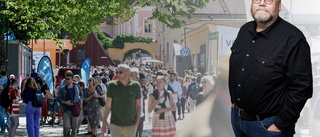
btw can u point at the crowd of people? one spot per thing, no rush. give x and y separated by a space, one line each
126 91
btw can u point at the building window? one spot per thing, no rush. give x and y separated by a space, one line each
148 26
81 54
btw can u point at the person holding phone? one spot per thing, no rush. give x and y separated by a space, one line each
68 95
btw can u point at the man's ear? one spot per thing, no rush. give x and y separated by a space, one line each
280 5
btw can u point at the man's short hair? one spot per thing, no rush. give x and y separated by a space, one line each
3 73
70 75
141 75
194 79
125 66
134 70
172 73
159 73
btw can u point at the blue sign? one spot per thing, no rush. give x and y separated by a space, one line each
85 70
185 51
10 37
45 71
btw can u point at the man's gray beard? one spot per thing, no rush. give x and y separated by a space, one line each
262 17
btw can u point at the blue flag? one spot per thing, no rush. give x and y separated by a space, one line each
85 70
45 71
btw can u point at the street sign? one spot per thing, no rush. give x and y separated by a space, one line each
185 51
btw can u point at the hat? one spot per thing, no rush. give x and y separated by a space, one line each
77 76
12 76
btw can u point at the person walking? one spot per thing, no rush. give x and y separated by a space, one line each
14 109
3 84
69 96
162 103
176 91
182 101
32 112
207 85
123 100
270 76
93 106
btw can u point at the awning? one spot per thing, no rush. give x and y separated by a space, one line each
151 61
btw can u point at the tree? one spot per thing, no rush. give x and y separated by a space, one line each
51 19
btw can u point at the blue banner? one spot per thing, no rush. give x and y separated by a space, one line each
45 71
85 70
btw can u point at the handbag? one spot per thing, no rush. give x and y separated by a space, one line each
102 101
76 109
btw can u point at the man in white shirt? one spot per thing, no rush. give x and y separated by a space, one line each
175 86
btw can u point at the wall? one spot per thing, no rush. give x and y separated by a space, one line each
51 47
118 54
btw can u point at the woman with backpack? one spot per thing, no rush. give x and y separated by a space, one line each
32 112
161 101
13 109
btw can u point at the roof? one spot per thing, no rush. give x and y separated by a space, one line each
223 7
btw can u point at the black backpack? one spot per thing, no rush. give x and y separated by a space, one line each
194 91
38 98
5 99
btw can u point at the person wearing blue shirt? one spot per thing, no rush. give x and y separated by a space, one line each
3 84
69 94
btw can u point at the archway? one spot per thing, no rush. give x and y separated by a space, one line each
136 54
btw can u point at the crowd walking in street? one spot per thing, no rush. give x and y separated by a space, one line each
117 105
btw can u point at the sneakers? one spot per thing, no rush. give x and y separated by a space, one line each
179 118
89 133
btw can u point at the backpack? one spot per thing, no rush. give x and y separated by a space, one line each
5 99
194 91
38 99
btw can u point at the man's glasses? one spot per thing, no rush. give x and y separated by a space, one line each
67 78
119 72
265 1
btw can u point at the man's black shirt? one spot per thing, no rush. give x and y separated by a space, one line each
270 71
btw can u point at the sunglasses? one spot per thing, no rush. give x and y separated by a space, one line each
68 79
119 72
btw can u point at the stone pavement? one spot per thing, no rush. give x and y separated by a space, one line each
57 131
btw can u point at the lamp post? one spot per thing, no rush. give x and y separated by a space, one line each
162 52
7 36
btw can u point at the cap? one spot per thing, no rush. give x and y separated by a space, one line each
77 76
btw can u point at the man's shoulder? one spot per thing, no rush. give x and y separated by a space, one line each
134 83
290 28
113 82
247 25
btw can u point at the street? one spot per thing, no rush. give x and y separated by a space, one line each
57 131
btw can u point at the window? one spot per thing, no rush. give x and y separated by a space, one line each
81 54
148 26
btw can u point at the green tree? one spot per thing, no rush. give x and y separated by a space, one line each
51 19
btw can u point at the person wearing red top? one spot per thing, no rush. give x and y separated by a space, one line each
14 109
